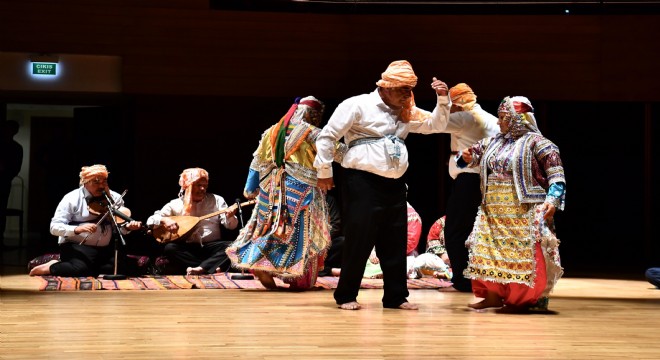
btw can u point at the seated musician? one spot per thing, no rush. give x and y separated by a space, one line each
84 234
201 250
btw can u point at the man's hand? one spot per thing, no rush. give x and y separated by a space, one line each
86 227
440 87
231 212
466 155
169 224
134 225
326 184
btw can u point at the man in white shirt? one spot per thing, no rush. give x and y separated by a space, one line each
467 124
201 251
85 242
375 126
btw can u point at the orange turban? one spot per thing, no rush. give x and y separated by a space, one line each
400 73
463 96
187 178
89 173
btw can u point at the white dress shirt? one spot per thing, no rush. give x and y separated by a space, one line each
466 128
207 230
367 116
73 211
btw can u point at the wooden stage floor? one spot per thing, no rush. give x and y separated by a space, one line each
590 319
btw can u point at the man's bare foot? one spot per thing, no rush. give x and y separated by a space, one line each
408 306
43 269
266 279
353 305
335 271
195 271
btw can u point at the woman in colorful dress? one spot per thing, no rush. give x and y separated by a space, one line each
287 235
514 258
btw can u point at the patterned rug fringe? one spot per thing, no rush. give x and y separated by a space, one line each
215 281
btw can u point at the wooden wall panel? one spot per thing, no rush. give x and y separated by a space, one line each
183 47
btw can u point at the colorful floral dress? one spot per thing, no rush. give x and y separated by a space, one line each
288 232
512 250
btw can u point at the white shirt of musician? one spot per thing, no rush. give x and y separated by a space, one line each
73 211
207 230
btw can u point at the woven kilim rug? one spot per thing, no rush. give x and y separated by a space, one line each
216 281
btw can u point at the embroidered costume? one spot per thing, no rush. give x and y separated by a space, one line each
513 250
287 234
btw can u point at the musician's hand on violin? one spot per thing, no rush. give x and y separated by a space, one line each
85 227
326 184
169 224
134 225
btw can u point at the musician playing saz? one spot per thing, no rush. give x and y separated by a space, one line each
202 251
84 234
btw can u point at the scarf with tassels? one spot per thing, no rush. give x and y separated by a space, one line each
278 135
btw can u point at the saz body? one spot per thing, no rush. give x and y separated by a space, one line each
187 223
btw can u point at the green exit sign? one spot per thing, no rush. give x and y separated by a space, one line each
39 68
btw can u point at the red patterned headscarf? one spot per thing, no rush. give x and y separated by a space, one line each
519 112
308 109
186 179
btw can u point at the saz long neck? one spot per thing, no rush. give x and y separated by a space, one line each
227 209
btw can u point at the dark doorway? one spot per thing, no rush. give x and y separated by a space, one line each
59 148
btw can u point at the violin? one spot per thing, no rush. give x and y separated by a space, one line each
99 206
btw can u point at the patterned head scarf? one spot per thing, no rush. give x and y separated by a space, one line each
186 179
308 109
399 74
463 96
519 113
89 173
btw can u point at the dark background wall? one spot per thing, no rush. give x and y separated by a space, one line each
200 85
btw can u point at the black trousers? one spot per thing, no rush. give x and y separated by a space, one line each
462 206
375 214
83 260
210 256
334 256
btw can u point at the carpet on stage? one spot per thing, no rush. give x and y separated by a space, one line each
215 281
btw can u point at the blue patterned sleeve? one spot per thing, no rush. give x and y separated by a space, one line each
555 193
252 182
